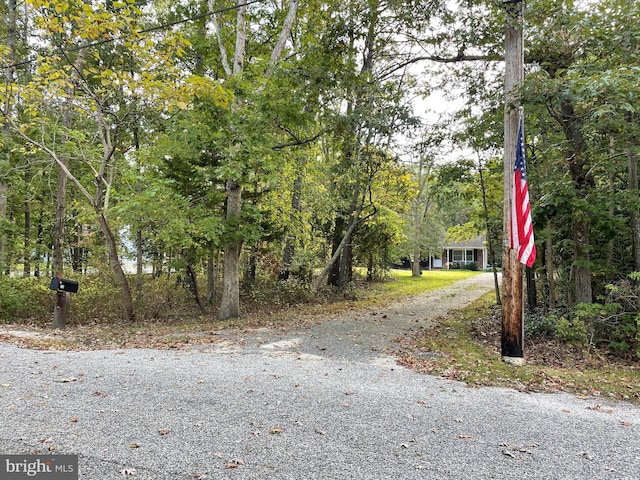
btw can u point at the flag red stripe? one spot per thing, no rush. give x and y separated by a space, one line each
521 223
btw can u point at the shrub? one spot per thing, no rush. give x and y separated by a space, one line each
24 298
540 326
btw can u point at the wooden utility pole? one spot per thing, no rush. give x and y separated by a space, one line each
512 305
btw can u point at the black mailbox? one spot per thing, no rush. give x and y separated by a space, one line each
64 285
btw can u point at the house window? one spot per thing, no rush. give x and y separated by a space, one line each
462 256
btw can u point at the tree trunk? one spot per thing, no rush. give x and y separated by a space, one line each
550 268
27 238
139 267
192 282
580 270
634 215
211 275
370 268
230 301
289 249
39 240
114 259
58 229
336 250
492 252
415 263
532 294
346 261
6 130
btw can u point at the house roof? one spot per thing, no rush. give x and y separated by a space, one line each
479 242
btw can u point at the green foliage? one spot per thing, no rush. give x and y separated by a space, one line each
23 299
537 325
574 331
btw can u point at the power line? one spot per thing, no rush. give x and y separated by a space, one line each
156 28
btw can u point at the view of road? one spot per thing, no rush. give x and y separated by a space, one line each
321 402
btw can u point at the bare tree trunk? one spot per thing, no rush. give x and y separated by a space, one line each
114 259
550 268
27 238
230 302
338 250
38 255
289 249
211 276
634 215
581 273
6 130
59 225
139 267
492 252
415 263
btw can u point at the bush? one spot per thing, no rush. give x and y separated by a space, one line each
24 298
540 326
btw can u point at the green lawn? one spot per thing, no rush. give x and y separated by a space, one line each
403 284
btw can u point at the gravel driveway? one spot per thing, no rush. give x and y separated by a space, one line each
319 403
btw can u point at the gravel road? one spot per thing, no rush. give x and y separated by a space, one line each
320 403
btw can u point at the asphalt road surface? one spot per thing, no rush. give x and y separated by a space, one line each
324 402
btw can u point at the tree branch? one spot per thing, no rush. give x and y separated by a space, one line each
298 142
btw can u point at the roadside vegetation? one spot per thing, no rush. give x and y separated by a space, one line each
170 318
466 347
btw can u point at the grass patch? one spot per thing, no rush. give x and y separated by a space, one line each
466 347
402 284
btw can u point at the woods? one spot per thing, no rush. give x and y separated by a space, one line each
227 146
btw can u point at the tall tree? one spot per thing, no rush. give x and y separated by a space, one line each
7 111
236 152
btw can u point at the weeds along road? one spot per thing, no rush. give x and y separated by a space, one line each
319 403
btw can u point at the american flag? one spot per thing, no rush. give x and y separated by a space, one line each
521 225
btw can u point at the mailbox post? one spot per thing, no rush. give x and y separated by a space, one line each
63 288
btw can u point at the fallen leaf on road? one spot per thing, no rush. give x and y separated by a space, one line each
134 445
198 476
67 380
275 430
598 408
235 463
99 394
626 424
74 419
164 431
465 437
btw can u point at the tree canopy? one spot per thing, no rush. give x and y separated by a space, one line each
233 143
